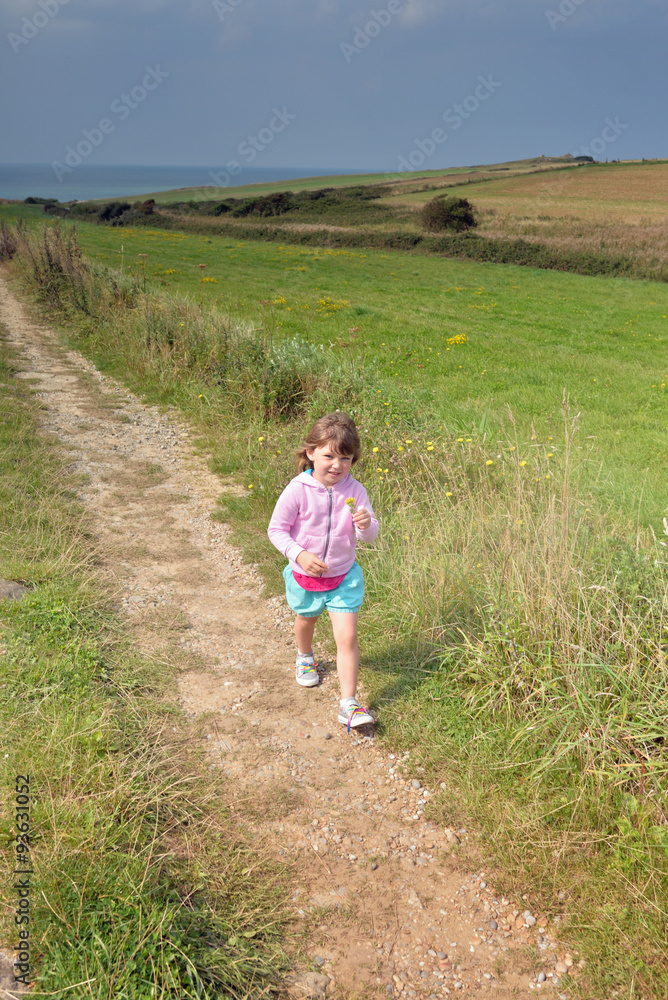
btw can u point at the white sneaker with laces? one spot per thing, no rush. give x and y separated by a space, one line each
352 714
306 673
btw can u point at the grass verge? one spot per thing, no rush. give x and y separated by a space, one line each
516 629
141 885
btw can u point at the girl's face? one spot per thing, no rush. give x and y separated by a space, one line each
329 467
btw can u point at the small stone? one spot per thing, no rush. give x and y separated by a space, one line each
541 977
441 955
415 783
319 960
314 985
374 866
493 924
11 591
561 968
452 837
529 918
459 985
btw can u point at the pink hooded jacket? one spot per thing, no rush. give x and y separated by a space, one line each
311 516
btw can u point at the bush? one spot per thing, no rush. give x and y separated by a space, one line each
32 200
113 209
448 213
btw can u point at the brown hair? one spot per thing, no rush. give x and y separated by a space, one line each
336 429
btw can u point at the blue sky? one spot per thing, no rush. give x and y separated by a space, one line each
356 85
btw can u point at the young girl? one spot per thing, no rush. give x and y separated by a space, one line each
316 523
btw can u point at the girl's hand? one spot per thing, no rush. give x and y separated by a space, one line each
362 518
311 563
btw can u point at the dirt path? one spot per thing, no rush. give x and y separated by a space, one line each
388 908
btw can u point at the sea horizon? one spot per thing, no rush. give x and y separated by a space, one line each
19 181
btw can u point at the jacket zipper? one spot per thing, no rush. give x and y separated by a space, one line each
329 524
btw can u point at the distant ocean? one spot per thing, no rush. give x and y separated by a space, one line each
19 181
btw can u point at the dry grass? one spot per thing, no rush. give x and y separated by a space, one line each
615 209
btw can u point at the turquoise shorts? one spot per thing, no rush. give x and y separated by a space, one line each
311 603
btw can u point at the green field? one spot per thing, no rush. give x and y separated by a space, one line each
530 335
515 630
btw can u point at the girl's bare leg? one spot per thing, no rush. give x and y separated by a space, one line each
344 624
304 629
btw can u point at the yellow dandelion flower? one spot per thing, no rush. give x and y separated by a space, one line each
374 449
523 462
401 447
250 486
448 494
409 441
489 462
461 440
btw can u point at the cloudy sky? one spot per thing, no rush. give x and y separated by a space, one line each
332 84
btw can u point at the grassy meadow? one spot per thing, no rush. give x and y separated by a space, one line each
514 426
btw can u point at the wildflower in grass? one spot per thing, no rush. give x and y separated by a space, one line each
409 441
401 447
430 447
459 338
250 486
374 449
351 504
260 439
461 440
448 494
489 462
523 462
550 454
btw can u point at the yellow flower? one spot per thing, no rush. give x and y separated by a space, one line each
261 439
430 447
460 440
523 462
374 449
550 454
250 486
489 462
448 494
401 447
408 441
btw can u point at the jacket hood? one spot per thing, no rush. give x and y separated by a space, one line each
308 480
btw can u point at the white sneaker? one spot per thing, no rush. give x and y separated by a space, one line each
306 673
352 714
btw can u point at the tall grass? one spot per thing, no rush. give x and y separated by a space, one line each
516 627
